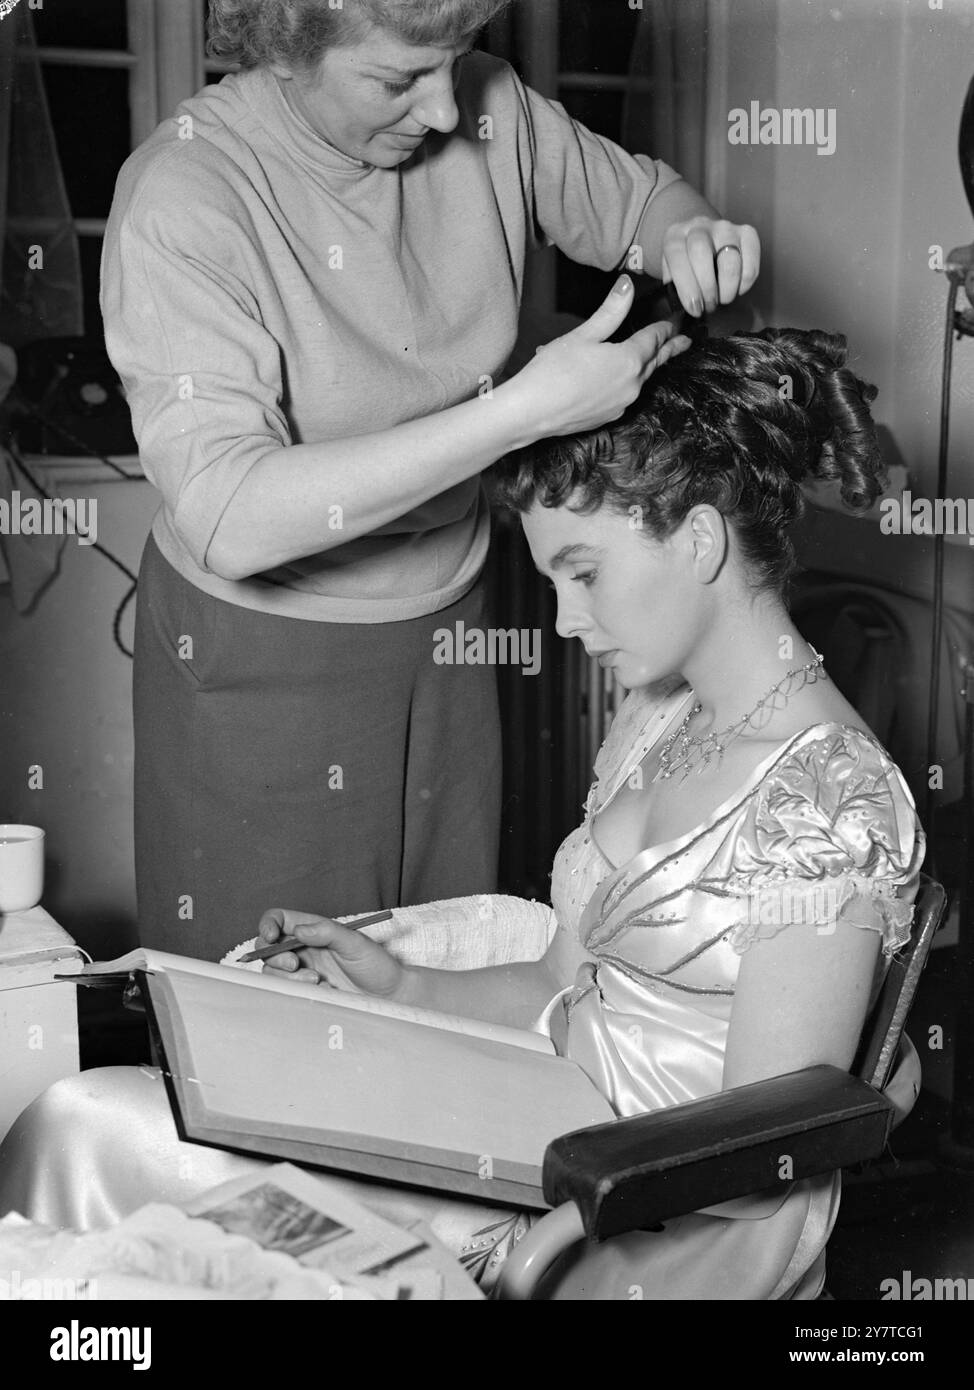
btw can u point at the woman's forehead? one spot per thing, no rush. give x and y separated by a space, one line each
551 530
384 49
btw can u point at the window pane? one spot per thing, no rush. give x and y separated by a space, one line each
90 116
82 24
599 111
90 250
596 37
581 288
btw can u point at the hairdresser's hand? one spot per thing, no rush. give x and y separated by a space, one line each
332 954
581 380
710 262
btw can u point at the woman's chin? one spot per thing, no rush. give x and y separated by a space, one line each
627 675
632 675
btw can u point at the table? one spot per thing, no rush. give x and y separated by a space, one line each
38 1014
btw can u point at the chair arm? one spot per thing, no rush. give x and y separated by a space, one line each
903 1087
630 1174
536 1251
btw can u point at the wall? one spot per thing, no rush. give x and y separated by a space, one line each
65 703
847 240
846 235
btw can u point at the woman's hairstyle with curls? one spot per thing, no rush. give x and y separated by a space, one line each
296 33
738 423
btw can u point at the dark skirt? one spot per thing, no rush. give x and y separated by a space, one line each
328 767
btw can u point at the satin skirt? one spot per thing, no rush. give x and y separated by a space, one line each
95 1147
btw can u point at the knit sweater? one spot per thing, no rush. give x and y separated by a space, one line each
260 289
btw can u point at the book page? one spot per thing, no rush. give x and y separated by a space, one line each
330 1077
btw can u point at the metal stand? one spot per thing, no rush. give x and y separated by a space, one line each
957 1148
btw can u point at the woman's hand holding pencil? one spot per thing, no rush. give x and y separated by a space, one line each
320 950
291 943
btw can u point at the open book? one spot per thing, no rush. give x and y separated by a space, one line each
283 1069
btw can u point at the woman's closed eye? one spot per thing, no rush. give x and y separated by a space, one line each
588 577
399 89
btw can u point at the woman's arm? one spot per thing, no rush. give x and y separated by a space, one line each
801 1000
280 511
599 204
205 382
513 994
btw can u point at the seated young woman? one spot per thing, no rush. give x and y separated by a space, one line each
749 856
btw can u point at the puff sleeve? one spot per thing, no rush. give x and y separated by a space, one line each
833 833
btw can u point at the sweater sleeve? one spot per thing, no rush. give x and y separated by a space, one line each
587 195
202 376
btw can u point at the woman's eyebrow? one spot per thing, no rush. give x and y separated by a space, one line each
573 552
413 72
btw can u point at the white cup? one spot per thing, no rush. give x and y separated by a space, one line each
21 867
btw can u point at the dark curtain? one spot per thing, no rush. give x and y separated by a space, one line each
40 272
665 107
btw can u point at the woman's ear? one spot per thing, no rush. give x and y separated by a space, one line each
707 537
281 72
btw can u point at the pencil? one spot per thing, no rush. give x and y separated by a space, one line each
291 943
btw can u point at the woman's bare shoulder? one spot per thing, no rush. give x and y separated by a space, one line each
826 705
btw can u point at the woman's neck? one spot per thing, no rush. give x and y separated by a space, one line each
742 657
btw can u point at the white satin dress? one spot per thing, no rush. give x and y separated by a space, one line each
646 1014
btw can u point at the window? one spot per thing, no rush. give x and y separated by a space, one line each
113 70
578 53
99 69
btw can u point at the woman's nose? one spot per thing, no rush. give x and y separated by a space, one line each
437 110
568 623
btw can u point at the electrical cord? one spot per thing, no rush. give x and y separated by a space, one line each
22 403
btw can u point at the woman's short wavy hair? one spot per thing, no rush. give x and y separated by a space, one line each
254 33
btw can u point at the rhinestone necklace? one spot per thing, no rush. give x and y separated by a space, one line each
693 751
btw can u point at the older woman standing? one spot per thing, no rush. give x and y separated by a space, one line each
311 285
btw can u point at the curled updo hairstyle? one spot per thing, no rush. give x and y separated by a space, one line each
738 423
296 33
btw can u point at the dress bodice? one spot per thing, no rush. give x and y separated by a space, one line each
824 827
579 866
